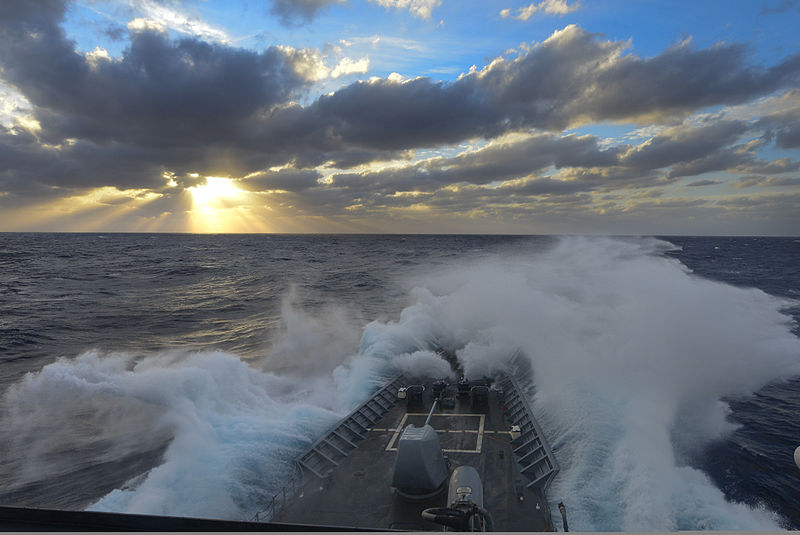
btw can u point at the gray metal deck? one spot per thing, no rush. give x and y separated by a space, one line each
347 473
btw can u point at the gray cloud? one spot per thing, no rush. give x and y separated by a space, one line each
684 144
766 182
285 179
781 7
495 162
789 137
571 77
297 12
161 93
701 183
187 106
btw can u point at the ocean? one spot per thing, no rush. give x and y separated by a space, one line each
181 374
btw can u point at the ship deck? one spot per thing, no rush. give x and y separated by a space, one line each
358 491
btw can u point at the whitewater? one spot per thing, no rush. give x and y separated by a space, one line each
635 360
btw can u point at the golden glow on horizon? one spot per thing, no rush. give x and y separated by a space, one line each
93 210
219 206
214 193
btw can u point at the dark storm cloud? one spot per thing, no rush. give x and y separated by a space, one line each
181 104
30 171
716 161
789 137
574 75
701 183
496 162
187 106
783 126
580 165
285 179
571 77
544 186
684 145
512 160
161 93
295 12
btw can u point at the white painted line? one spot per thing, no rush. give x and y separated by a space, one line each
480 435
480 431
448 414
446 450
396 435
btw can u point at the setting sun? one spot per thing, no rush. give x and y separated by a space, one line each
214 193
216 205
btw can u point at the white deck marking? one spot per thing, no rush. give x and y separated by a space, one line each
480 431
480 436
396 435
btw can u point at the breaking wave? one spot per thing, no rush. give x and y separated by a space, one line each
632 357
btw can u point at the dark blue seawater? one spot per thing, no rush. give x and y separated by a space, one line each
122 309
753 465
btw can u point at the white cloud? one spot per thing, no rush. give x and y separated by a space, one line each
307 62
350 66
549 7
15 110
96 56
312 64
420 8
159 16
141 24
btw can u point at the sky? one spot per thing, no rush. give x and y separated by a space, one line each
401 116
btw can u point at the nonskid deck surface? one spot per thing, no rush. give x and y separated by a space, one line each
358 492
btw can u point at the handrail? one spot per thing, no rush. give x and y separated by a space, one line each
294 484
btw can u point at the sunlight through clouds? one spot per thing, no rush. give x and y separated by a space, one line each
223 116
217 206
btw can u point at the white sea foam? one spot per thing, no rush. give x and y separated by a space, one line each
631 355
230 439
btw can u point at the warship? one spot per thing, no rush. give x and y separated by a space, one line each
422 453
427 454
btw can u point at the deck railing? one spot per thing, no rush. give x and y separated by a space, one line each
333 446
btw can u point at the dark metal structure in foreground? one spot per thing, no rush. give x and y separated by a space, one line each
348 473
344 480
18 519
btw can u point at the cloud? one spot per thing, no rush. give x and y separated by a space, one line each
781 7
181 106
307 63
766 182
684 144
572 78
496 162
298 12
160 93
284 179
419 8
350 66
789 137
702 183
167 14
548 7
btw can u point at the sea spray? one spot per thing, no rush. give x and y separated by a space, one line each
225 441
203 433
631 356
